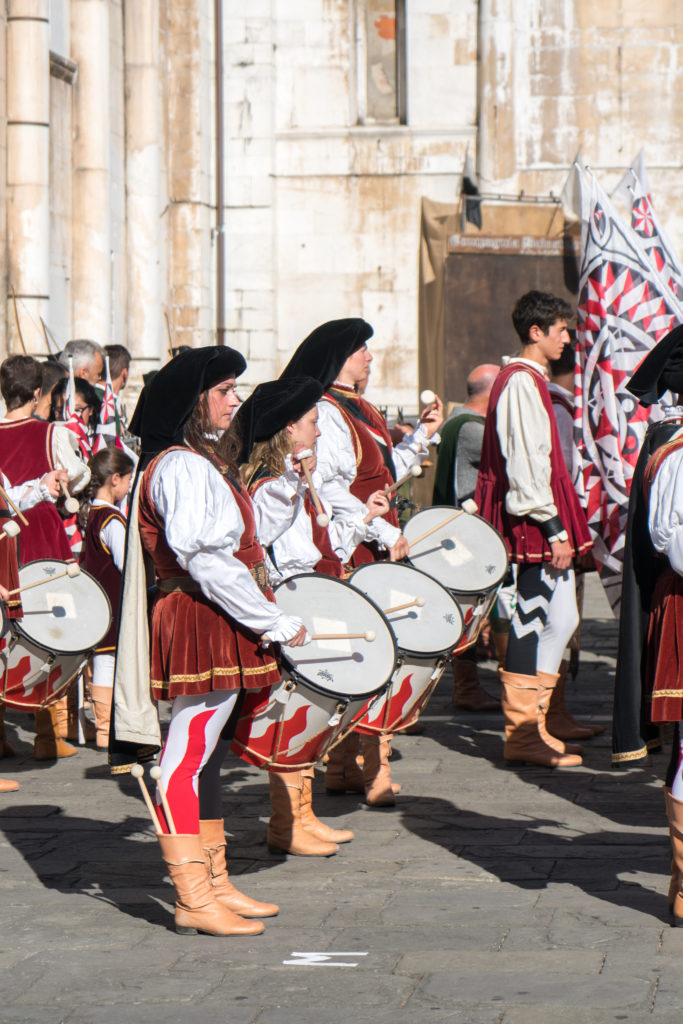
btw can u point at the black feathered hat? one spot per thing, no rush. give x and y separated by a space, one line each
661 370
323 353
273 405
166 402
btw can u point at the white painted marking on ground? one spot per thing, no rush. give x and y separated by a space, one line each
320 960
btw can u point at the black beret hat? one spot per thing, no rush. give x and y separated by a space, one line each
323 353
166 402
273 405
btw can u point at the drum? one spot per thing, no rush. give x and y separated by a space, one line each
64 620
326 684
466 555
425 634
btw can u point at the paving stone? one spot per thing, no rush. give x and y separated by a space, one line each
487 895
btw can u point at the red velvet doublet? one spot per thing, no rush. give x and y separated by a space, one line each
523 536
196 647
26 454
96 559
664 667
372 472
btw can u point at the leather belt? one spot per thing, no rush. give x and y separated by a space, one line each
178 585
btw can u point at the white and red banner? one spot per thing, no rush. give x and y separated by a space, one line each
105 432
625 306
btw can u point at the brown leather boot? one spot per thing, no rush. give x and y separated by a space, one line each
101 697
71 732
285 828
6 748
548 682
468 693
50 727
196 908
379 789
675 815
8 785
675 883
500 643
214 846
343 774
561 722
309 821
526 739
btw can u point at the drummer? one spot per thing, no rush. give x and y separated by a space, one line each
210 623
355 458
278 423
24 497
31 448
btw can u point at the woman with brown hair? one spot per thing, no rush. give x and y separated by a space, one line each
211 621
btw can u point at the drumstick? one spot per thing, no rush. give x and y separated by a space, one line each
72 505
414 471
73 569
419 601
10 529
155 773
468 508
137 771
368 635
15 509
321 519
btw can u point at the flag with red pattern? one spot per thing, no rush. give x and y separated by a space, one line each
625 306
73 421
634 190
105 432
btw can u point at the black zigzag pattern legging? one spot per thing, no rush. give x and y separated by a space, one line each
544 619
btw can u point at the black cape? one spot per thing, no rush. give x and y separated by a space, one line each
633 734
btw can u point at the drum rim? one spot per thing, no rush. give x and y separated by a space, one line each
54 650
319 689
473 515
407 650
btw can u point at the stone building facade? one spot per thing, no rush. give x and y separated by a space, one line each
337 117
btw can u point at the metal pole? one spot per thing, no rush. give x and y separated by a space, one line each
220 174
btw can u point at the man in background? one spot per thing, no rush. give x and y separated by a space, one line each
457 468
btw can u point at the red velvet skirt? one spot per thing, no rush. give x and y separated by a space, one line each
196 648
523 537
664 672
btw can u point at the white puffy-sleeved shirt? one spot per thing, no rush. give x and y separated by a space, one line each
26 495
665 516
523 429
113 534
203 527
294 550
337 468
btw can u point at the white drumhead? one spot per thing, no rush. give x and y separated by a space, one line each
466 554
431 629
347 668
69 614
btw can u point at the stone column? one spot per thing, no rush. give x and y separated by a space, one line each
496 121
145 328
191 166
91 252
28 168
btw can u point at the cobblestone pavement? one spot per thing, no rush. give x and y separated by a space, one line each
489 894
